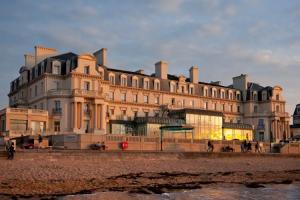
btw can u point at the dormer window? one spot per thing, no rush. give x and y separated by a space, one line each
87 70
172 87
111 79
86 85
135 82
123 80
156 85
223 94
238 96
146 84
56 69
191 89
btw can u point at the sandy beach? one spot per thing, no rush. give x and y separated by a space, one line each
46 173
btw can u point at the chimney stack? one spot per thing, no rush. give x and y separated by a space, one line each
43 52
29 60
194 74
101 56
161 70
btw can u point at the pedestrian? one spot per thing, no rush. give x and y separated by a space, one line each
10 149
210 146
40 141
249 146
257 147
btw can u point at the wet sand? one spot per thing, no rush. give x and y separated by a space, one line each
45 174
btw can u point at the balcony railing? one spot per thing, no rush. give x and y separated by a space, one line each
59 92
280 114
56 111
88 93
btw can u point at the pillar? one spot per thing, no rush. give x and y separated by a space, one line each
98 116
79 115
102 122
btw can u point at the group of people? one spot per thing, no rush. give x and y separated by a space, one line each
247 147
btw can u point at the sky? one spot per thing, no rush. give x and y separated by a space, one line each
225 38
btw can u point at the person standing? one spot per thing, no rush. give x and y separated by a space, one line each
40 141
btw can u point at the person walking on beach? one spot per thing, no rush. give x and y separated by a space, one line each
257 147
10 150
210 146
40 141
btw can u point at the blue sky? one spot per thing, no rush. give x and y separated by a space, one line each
224 38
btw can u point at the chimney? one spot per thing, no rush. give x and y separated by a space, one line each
194 74
29 60
161 70
43 52
240 82
140 71
101 56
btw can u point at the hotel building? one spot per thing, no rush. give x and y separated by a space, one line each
81 94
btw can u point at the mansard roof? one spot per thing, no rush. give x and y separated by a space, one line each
65 56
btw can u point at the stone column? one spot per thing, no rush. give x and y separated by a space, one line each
102 122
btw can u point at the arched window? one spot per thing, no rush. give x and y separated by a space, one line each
111 78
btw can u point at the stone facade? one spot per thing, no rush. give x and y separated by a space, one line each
82 94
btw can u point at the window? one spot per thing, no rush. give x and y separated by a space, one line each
35 90
238 96
56 126
173 101
42 106
146 114
215 106
57 85
173 87
206 105
146 99
111 95
238 109
56 69
255 97
231 108
124 112
30 92
192 103
112 111
157 100
223 107
57 105
42 87
135 113
86 85
112 79
135 98
277 97
87 70
123 81
230 96
182 89
135 83
255 109
277 108
156 85
214 93
205 92
223 95
191 90
123 96
146 84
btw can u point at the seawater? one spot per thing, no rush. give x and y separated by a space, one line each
207 192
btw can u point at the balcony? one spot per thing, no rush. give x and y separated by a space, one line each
88 93
260 127
56 111
59 92
280 114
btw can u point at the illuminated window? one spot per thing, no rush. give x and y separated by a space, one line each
135 98
146 99
123 96
87 70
